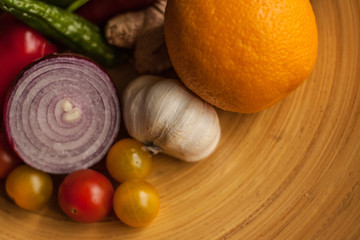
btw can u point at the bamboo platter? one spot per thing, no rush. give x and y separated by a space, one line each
289 172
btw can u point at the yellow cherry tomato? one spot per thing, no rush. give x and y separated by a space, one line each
28 187
136 203
128 160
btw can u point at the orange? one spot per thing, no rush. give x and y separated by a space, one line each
241 55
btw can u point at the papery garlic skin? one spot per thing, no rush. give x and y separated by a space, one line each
163 113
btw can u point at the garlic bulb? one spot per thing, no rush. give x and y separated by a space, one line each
164 115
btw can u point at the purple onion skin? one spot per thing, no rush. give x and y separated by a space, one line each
66 85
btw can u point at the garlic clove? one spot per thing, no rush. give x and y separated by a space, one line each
165 115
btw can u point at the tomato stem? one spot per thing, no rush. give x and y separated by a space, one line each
152 149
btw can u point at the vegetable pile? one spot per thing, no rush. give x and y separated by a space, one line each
61 110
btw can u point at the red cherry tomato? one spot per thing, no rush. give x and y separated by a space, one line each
19 46
8 159
86 196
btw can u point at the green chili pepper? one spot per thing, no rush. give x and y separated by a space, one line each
67 28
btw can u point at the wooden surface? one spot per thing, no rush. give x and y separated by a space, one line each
289 172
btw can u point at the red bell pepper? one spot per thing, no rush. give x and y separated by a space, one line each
99 11
19 46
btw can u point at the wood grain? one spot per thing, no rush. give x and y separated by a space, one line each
289 172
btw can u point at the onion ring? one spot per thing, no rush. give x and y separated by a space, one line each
62 114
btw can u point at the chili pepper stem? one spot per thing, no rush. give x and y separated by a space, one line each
76 5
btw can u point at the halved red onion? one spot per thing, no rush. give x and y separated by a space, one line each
63 114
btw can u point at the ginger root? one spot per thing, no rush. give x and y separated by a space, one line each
143 31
